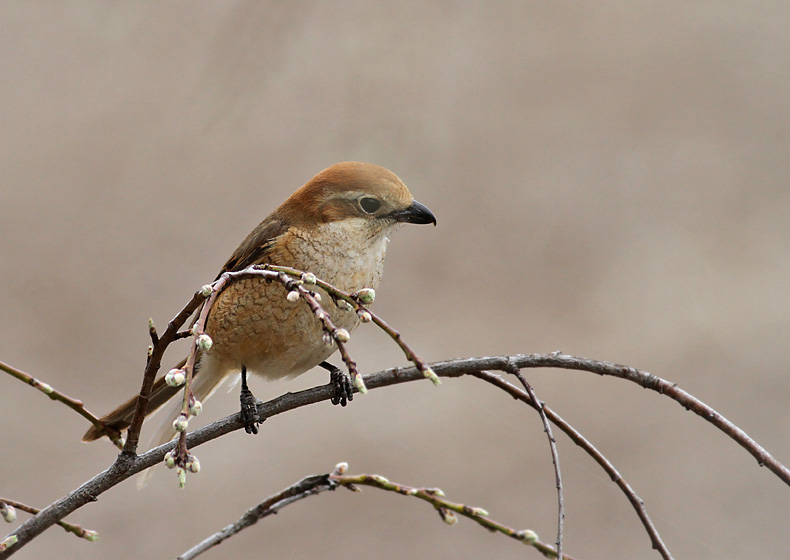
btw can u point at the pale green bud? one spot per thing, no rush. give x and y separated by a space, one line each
204 342
9 513
365 316
341 335
448 516
366 295
309 278
175 377
181 423
360 384
527 536
92 536
195 407
8 542
192 464
430 374
182 477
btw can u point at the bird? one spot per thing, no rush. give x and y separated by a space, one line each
335 226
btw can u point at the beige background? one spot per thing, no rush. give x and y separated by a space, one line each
610 179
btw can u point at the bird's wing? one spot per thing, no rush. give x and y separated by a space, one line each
256 248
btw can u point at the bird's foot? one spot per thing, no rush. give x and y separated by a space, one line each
342 386
249 411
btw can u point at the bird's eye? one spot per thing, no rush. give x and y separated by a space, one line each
369 204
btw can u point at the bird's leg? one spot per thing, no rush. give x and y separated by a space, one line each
341 384
249 408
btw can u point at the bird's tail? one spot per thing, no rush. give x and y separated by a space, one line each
120 418
203 386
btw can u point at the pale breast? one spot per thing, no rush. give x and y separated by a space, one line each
253 323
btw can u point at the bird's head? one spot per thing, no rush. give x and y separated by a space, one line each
353 190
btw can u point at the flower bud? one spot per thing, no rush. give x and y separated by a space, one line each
175 377
292 296
206 290
309 278
8 511
181 423
343 304
341 335
92 536
204 342
341 468
448 516
430 374
364 316
182 477
8 542
527 536
360 384
366 295
195 406
170 459
192 464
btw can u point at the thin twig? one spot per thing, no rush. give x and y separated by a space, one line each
86 534
590 449
306 487
316 484
151 368
74 404
447 509
555 458
126 466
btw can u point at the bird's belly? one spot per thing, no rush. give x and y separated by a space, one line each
253 324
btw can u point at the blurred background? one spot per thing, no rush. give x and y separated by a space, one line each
610 180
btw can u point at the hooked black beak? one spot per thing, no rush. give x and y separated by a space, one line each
417 213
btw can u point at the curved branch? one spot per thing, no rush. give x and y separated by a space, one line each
127 465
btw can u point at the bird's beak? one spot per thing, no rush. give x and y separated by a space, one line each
415 214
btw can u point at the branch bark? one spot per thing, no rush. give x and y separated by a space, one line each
126 465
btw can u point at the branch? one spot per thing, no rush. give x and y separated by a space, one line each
555 458
74 404
126 466
306 487
156 351
316 484
86 534
590 449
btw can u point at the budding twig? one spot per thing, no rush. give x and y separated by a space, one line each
357 302
74 404
316 484
446 508
86 534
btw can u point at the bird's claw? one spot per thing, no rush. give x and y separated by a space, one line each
342 387
249 411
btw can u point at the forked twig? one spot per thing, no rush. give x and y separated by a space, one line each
555 458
